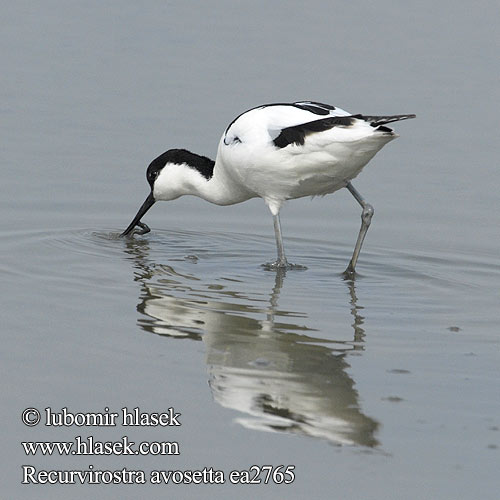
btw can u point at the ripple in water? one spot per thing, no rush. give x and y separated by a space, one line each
277 343
242 256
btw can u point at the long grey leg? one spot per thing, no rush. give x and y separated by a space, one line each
366 219
281 262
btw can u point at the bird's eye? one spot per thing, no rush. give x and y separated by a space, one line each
152 175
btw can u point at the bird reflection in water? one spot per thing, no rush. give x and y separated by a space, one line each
262 361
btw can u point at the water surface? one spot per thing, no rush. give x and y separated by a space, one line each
372 387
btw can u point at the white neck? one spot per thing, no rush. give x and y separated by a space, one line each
177 180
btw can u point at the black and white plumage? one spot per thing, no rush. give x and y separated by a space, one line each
276 152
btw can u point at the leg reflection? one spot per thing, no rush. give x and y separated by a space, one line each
279 373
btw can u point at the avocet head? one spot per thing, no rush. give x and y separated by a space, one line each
169 177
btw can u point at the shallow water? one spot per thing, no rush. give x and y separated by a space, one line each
382 387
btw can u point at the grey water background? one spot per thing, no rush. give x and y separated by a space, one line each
386 387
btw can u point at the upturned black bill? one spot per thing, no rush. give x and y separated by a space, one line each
148 203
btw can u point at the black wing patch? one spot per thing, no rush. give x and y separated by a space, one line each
375 121
204 165
318 108
297 134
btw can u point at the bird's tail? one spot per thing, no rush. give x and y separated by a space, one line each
375 121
